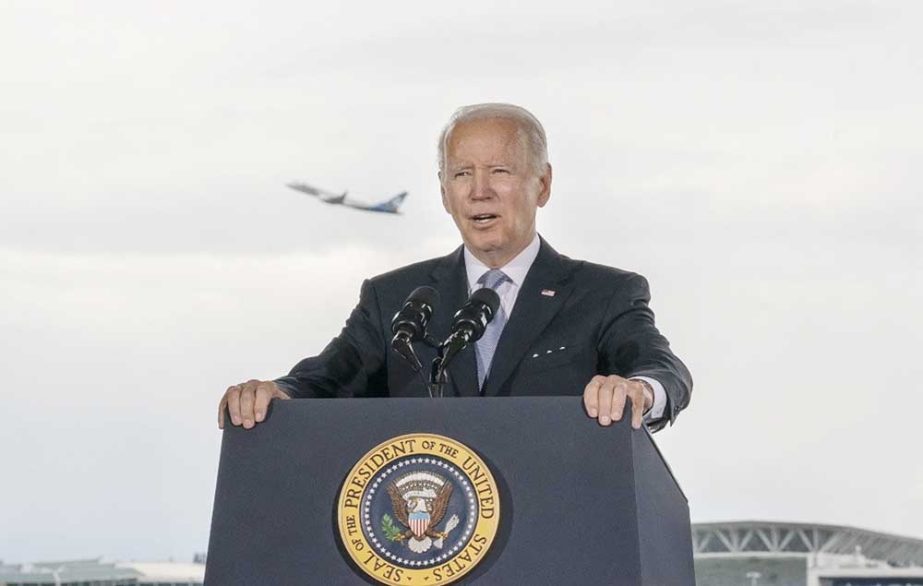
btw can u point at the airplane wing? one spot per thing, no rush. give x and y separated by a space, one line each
326 196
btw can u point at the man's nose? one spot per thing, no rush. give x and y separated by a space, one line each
482 188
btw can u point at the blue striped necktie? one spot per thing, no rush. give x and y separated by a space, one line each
487 345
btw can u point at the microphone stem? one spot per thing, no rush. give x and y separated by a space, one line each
457 342
438 378
402 345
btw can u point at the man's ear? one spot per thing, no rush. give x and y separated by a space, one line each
545 185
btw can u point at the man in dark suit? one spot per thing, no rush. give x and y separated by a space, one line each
567 326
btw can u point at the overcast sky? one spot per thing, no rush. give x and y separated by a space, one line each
760 163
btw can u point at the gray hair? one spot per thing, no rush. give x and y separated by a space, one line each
530 129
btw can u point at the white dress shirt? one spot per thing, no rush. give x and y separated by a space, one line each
516 270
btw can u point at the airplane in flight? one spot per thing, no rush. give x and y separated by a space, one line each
390 206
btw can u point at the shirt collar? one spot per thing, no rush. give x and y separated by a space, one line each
516 269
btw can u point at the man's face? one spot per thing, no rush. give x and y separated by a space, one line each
492 189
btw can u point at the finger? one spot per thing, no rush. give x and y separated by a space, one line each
619 390
247 399
233 398
637 405
222 405
605 402
591 396
264 394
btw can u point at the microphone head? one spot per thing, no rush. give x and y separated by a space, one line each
486 297
424 295
473 317
411 319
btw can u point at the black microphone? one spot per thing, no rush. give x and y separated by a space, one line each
470 321
409 324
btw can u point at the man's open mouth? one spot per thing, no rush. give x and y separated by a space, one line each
483 218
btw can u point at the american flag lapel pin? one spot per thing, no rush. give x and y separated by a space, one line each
548 292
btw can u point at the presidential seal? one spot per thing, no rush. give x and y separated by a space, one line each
418 509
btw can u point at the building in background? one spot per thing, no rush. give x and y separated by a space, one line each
767 553
94 572
739 553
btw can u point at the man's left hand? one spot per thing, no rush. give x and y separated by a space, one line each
604 398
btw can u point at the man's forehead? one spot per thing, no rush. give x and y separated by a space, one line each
493 138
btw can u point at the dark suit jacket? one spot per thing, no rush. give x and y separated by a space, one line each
572 320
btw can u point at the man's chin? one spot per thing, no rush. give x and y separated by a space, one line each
483 246
493 254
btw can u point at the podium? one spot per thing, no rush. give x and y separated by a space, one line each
578 503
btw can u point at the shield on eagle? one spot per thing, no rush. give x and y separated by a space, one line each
419 523
419 501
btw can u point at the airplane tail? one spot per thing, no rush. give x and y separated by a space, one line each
392 205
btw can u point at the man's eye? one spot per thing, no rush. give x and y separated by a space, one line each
501 170
462 173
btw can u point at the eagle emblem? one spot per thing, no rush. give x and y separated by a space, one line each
419 501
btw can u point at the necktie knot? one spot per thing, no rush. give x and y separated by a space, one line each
493 279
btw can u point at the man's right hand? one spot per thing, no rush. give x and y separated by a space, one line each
247 402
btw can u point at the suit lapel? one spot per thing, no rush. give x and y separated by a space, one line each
541 296
452 284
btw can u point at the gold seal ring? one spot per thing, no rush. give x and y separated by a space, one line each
418 509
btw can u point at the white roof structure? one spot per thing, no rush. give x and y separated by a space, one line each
772 552
167 572
750 537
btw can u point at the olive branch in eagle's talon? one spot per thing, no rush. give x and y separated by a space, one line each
390 532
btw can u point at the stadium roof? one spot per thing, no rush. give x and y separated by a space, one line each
774 537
